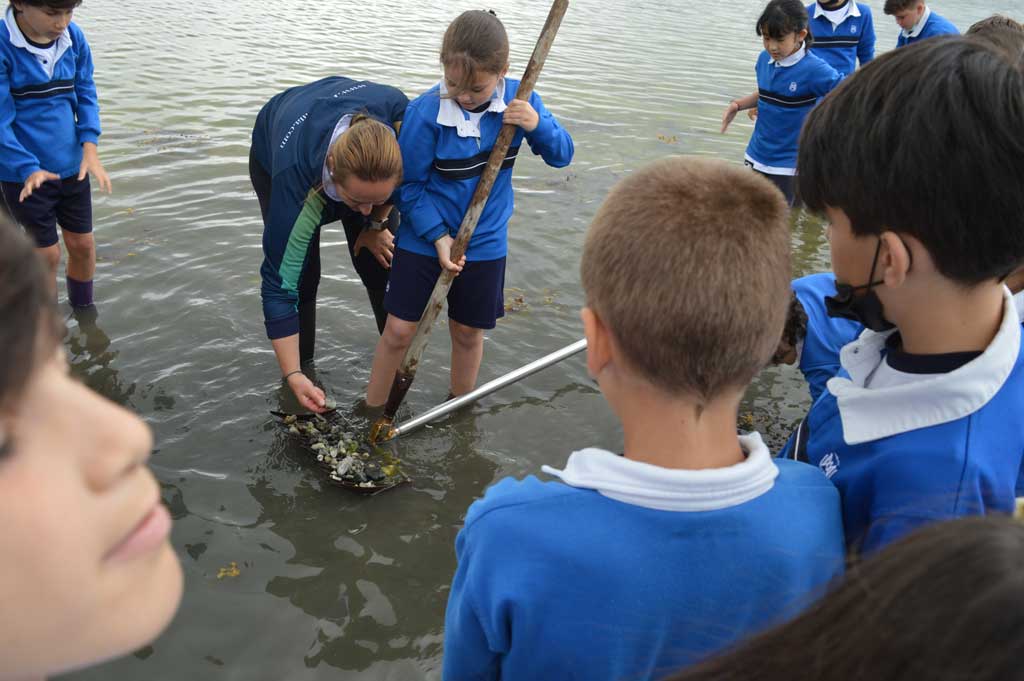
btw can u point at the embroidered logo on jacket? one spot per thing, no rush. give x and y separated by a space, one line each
853 29
792 87
829 464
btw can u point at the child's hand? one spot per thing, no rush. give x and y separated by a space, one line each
91 164
730 114
34 181
444 254
519 112
752 114
309 396
380 242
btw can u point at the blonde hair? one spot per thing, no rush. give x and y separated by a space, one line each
687 265
368 150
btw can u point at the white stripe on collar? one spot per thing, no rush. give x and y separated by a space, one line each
452 115
869 414
837 16
664 489
791 59
64 43
919 26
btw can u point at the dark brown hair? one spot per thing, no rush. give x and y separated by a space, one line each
28 321
368 150
476 42
687 264
944 603
893 6
55 4
926 141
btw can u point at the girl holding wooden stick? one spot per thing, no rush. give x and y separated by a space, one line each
446 138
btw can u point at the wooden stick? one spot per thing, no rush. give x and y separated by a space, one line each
407 370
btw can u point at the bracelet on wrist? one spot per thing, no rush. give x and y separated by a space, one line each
291 373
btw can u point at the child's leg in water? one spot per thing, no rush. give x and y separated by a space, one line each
467 354
391 348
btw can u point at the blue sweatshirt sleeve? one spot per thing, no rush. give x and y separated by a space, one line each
88 111
866 46
549 139
296 211
15 156
467 652
418 141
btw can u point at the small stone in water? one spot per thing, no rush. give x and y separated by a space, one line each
329 403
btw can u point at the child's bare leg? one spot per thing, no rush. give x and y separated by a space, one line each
51 258
80 268
467 353
391 349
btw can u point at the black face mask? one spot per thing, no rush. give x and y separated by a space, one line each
866 308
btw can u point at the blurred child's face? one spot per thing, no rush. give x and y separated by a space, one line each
87 571
42 24
908 18
780 49
479 91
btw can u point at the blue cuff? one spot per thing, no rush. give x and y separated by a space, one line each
88 136
436 233
283 327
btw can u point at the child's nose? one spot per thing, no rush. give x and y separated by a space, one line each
115 444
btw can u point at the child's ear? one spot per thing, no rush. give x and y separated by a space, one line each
504 72
895 259
598 346
802 35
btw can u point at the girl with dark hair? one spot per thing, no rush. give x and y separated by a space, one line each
88 572
790 81
946 602
446 139
323 152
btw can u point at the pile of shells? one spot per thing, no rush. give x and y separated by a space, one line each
340 452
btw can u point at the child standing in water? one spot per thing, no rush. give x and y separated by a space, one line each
790 82
446 137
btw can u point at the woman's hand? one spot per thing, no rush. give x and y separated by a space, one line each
91 164
379 242
519 112
309 396
444 254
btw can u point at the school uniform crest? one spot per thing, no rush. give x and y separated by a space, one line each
792 87
853 29
829 464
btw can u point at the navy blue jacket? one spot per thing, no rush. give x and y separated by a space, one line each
290 140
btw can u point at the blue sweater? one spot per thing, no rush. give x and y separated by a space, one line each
563 582
290 140
826 336
442 169
786 95
936 25
946 446
45 120
843 45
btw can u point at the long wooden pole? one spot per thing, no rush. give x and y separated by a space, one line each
407 370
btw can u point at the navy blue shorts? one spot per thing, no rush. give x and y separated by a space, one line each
67 202
476 298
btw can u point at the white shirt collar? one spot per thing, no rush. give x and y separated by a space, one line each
664 489
1018 301
791 59
51 57
837 16
453 116
328 181
870 414
919 26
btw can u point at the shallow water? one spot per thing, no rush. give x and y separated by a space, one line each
330 585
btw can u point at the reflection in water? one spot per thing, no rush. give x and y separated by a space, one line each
362 558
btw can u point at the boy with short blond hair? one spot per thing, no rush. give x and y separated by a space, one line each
632 565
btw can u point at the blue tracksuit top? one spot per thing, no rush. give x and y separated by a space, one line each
786 95
441 170
44 119
562 582
826 336
842 46
946 446
290 140
936 25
